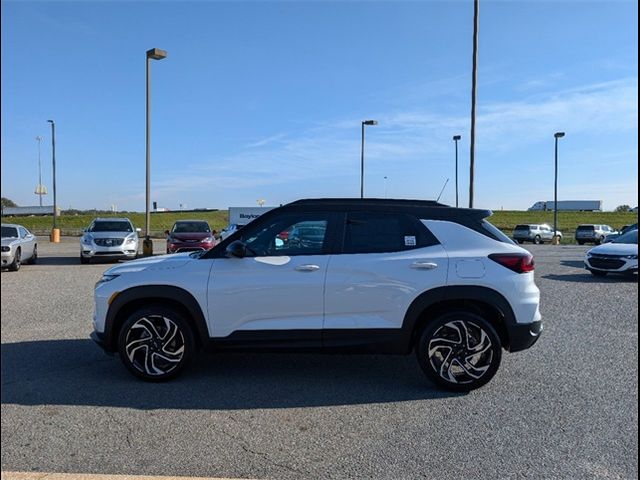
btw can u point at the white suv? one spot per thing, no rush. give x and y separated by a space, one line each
109 238
375 276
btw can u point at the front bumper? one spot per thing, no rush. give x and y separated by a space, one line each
611 264
7 258
126 251
524 335
100 341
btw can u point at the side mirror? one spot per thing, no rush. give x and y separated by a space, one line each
138 230
236 249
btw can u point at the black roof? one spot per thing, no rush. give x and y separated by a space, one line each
429 208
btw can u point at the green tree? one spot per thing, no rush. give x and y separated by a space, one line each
623 208
8 203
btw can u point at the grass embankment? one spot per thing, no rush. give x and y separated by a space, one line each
506 220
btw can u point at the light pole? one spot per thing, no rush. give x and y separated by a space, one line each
55 235
474 78
556 135
365 122
147 243
455 139
40 190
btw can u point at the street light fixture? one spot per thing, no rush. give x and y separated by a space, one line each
54 234
40 189
147 243
556 135
455 139
368 123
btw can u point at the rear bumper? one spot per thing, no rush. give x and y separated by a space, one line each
524 335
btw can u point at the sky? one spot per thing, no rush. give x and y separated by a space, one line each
264 101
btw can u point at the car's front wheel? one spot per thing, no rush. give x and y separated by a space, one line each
15 265
459 351
156 343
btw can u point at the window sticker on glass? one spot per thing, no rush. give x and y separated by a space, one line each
409 241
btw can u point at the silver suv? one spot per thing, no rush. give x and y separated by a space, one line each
593 233
534 233
113 238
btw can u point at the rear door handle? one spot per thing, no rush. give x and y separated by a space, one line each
307 268
424 265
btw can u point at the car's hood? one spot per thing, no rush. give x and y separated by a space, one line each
616 249
161 262
191 236
7 242
109 234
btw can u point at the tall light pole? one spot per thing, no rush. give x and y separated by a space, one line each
474 78
365 122
556 135
53 150
147 244
455 139
40 190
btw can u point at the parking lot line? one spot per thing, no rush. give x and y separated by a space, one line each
91 476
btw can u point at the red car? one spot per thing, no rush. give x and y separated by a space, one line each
189 236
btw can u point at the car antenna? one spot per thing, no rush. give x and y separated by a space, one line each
445 184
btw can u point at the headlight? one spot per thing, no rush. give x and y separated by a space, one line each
208 240
131 239
104 279
87 239
6 249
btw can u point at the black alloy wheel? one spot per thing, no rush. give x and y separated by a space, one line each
156 343
459 351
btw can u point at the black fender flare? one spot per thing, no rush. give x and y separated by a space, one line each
154 293
455 292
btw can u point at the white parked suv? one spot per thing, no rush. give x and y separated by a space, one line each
376 276
109 238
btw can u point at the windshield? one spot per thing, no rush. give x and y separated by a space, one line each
111 226
629 237
191 227
9 232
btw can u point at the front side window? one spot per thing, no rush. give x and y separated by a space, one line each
288 235
384 232
23 232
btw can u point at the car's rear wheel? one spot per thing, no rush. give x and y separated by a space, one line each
459 351
537 240
156 343
580 242
598 240
15 265
34 257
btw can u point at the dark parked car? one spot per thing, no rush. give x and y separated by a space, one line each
189 236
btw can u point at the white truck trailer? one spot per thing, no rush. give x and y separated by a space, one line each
569 205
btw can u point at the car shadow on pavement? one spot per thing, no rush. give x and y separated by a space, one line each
59 260
572 263
76 372
587 277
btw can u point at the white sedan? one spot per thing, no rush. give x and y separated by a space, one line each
19 246
618 256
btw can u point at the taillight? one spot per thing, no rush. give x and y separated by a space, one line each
517 262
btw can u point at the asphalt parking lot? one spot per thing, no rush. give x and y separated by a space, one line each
567 408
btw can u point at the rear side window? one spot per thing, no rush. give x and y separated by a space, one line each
496 233
384 232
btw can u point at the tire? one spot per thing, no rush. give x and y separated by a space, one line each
580 242
598 241
598 273
156 343
34 258
537 240
15 265
83 260
520 241
442 338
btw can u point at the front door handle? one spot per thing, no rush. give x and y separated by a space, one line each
424 265
307 268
